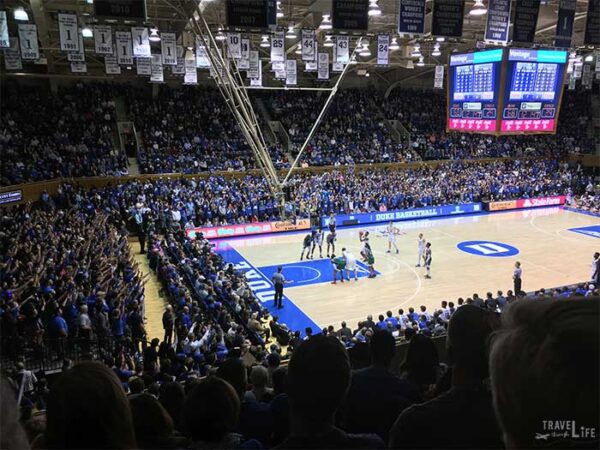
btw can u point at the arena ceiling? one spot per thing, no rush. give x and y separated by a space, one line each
174 15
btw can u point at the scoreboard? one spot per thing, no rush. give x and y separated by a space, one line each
513 91
474 82
534 83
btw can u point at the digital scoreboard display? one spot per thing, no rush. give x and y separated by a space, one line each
533 91
474 91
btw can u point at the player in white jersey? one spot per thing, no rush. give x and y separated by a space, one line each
392 232
428 259
422 243
317 242
350 264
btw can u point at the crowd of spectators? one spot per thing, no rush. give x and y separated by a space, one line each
189 131
332 396
68 134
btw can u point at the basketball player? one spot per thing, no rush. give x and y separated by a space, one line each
392 232
367 255
306 246
338 263
332 223
317 242
331 242
427 257
350 264
596 269
421 244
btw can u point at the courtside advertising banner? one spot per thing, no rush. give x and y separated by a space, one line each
246 229
525 203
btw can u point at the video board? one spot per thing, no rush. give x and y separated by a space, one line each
533 92
474 91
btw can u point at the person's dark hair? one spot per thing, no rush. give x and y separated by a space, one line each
171 396
421 361
211 410
409 333
87 408
383 347
381 317
136 385
233 371
318 378
469 330
544 368
151 421
279 380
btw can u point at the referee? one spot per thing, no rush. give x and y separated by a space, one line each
278 281
517 278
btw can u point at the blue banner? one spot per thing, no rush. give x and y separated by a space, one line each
564 26
404 214
411 17
496 28
447 18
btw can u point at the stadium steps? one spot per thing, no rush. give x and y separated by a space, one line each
263 113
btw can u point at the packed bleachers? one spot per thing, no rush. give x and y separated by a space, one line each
70 134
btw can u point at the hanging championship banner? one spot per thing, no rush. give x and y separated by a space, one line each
277 47
498 21
141 42
438 81
383 49
350 14
103 44
78 67
244 62
342 49
28 40
124 50
291 72
448 18
308 45
4 39
310 66
577 69
67 29
234 45
111 65
564 26
572 83
202 61
168 46
592 24
143 66
586 79
323 66
191 73
80 55
597 56
179 68
336 66
411 17
253 69
278 67
12 55
257 81
526 16
156 69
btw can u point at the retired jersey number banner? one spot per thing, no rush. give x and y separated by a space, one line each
4 39
67 29
308 45
383 49
28 39
278 47
342 49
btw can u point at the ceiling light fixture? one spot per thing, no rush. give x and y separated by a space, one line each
154 36
328 41
220 35
291 34
264 41
374 9
365 50
478 9
326 23
440 38
279 11
86 32
20 14
394 45
421 62
298 49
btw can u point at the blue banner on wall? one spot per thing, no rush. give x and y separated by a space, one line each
411 17
496 28
404 214
564 26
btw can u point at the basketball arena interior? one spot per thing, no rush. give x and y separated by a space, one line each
320 224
